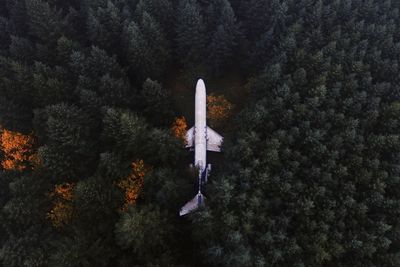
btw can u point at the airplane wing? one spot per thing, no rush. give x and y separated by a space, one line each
190 137
214 140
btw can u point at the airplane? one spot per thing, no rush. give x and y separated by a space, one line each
201 138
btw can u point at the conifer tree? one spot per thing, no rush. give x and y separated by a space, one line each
147 48
92 175
17 12
158 107
160 10
224 35
190 33
104 27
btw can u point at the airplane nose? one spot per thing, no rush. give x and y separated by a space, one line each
200 88
200 83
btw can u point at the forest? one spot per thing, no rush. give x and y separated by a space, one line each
96 97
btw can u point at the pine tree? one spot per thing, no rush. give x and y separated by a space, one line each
158 107
18 16
224 38
305 177
4 34
104 27
147 48
45 25
92 175
132 233
21 49
68 149
15 95
190 33
160 10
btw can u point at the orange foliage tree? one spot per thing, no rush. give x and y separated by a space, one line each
179 128
62 210
132 185
218 108
17 150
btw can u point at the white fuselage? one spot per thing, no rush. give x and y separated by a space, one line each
201 138
200 126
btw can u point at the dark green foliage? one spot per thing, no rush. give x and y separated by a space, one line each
161 10
104 26
100 76
23 217
21 49
29 249
18 16
79 251
65 48
157 103
4 34
15 94
44 21
68 147
191 37
224 32
146 47
49 85
145 233
124 131
315 177
310 170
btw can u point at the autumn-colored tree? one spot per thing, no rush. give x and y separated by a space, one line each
132 185
179 128
62 210
17 150
218 108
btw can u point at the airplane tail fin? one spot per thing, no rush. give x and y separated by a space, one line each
192 205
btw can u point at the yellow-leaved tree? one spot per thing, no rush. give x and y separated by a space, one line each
17 150
132 184
62 210
218 109
179 128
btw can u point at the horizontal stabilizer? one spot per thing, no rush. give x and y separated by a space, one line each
190 137
192 205
214 140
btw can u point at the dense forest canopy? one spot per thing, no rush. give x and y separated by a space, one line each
93 168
